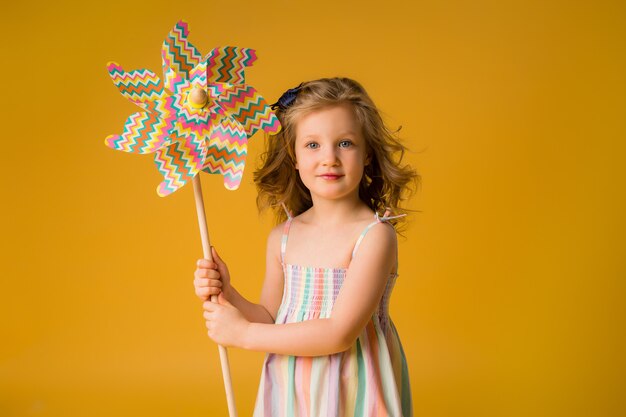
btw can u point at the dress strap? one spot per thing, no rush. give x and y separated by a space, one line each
283 240
287 212
379 219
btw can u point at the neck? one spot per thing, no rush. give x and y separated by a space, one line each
333 212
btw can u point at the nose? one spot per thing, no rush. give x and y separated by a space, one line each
329 157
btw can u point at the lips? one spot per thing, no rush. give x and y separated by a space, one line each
330 176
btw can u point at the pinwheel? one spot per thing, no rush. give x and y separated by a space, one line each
199 118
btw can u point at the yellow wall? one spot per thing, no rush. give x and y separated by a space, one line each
511 295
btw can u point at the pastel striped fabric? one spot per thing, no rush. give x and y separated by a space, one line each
369 379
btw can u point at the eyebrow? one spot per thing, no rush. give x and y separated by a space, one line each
347 133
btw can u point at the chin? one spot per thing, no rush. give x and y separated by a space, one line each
334 195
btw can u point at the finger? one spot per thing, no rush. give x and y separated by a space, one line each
205 282
203 293
214 253
206 293
205 263
206 273
218 260
210 306
213 291
201 282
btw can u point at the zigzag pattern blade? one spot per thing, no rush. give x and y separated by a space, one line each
226 152
216 89
200 127
144 132
179 162
175 82
139 86
197 75
178 55
245 104
226 64
188 116
166 108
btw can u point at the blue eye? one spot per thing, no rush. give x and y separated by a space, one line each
312 145
345 143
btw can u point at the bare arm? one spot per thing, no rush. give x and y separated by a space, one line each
357 301
272 291
254 313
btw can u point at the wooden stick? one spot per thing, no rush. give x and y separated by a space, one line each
206 248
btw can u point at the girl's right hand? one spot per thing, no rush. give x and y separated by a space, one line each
211 278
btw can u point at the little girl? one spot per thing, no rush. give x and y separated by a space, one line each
331 266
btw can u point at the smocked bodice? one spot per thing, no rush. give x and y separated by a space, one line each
315 289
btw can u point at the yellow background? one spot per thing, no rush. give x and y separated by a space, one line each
511 295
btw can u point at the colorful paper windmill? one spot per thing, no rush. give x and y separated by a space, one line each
198 119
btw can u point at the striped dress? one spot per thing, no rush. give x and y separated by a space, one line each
369 379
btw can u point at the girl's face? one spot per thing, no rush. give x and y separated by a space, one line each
331 153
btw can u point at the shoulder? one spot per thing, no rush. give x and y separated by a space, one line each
377 239
273 244
275 235
376 250
382 233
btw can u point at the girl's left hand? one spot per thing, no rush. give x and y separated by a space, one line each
227 326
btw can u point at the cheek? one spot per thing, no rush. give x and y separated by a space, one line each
303 160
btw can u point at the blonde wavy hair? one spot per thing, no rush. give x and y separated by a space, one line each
386 181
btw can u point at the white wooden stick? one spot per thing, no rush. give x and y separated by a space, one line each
206 248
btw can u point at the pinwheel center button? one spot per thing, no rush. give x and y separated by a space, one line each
198 98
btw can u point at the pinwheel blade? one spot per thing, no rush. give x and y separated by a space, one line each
246 105
197 76
180 161
176 82
226 152
139 86
216 89
178 56
144 132
227 64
